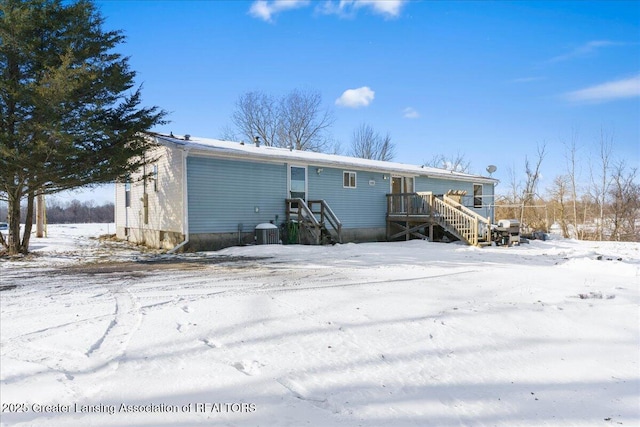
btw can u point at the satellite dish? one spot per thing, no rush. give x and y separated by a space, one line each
491 169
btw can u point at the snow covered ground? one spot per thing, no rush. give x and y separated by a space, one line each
97 333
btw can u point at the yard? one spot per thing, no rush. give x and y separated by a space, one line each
98 333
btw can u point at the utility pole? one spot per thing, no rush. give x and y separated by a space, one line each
40 213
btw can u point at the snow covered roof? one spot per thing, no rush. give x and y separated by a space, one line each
262 152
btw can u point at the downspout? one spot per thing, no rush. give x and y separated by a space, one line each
185 204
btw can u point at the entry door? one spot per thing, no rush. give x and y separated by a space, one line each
298 182
401 185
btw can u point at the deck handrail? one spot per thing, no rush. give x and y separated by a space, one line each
302 207
305 210
408 204
327 213
465 225
486 222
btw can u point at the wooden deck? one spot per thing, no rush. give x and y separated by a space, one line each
409 215
414 215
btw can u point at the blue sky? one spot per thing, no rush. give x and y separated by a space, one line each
490 80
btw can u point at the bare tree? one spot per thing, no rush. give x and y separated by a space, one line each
256 114
228 133
625 203
600 179
571 153
529 192
507 205
457 163
559 192
296 120
303 122
369 144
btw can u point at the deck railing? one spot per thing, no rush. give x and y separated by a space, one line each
483 224
447 212
463 224
313 215
408 204
326 216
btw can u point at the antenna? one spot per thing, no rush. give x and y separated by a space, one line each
491 169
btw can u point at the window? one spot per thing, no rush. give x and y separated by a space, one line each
477 195
298 182
155 178
349 180
127 192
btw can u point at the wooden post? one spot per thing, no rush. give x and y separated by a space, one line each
40 215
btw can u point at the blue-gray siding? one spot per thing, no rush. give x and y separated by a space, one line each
441 186
362 207
224 193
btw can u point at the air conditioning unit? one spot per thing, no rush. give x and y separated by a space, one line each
267 234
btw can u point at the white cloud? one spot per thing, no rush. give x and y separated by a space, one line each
410 113
586 49
388 8
609 91
527 79
355 98
265 10
348 8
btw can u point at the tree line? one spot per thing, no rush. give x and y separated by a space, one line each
595 197
72 212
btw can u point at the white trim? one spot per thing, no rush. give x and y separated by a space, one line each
481 195
403 179
355 179
185 203
306 179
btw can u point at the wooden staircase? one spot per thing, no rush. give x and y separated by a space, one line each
461 221
313 217
414 212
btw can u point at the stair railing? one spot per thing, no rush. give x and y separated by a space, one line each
484 224
457 221
326 216
305 218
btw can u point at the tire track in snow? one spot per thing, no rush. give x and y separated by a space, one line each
126 320
81 371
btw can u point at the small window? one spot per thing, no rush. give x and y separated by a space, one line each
477 195
155 178
349 180
127 192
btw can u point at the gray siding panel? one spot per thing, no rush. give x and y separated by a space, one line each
224 193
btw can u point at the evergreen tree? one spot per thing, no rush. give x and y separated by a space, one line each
69 112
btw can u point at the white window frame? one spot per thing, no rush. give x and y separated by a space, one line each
127 192
355 179
306 180
155 178
475 205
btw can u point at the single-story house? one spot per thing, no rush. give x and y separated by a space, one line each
208 194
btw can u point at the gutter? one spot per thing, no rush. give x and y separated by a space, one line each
185 204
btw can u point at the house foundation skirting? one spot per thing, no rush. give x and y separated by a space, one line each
216 241
158 239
